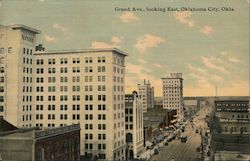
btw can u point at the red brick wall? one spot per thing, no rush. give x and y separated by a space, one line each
58 148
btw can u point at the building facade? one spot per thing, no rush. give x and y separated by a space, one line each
147 95
234 116
17 46
134 125
85 86
230 126
59 88
36 144
173 93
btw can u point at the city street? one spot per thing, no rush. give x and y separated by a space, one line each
178 151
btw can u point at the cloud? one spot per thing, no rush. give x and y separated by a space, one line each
137 69
136 75
207 30
229 57
233 59
49 39
115 43
157 65
142 61
185 18
148 41
62 29
210 62
224 53
128 17
201 74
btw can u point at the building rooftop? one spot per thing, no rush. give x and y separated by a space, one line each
81 51
39 133
173 76
23 27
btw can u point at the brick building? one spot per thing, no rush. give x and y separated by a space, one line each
37 144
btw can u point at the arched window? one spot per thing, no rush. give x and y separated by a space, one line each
129 137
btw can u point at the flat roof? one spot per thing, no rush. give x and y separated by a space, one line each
19 26
81 51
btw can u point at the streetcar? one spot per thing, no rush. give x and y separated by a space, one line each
183 138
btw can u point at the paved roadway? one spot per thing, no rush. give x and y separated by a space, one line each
178 151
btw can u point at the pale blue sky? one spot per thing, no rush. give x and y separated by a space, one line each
210 48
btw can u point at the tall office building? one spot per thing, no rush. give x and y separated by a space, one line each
134 125
147 94
17 46
86 87
59 88
173 93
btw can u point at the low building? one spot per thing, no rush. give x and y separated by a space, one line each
134 125
231 155
171 117
230 126
36 144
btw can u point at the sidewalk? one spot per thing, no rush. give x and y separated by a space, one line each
147 154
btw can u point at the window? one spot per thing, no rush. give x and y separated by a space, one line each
75 88
63 88
64 61
76 60
39 70
51 79
76 79
63 97
51 61
52 70
2 51
76 69
10 50
1 88
64 70
1 108
63 79
51 88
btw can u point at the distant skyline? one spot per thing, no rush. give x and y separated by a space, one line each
210 48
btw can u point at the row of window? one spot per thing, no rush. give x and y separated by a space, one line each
118 70
74 60
3 50
53 117
27 51
74 70
166 99
89 107
74 79
99 116
27 70
100 136
27 61
99 146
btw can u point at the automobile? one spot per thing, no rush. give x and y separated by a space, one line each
183 138
156 151
150 147
166 143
